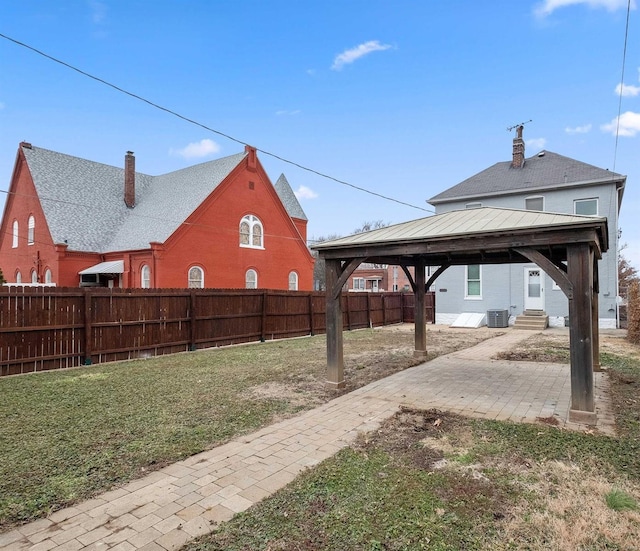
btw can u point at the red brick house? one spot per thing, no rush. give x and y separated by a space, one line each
379 278
222 223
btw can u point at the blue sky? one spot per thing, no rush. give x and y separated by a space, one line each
402 97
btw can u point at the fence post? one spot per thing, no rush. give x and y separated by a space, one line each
192 320
88 313
348 312
263 330
369 310
384 311
311 313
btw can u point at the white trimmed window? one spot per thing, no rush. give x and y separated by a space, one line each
196 277
293 281
47 276
358 284
534 203
473 286
251 234
145 277
251 279
18 277
14 243
31 231
34 276
586 207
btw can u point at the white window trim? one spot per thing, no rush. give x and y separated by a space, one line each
356 286
534 197
467 296
34 276
189 280
293 278
47 276
31 230
16 232
18 276
254 283
576 201
253 221
145 276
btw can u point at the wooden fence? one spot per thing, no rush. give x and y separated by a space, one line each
51 328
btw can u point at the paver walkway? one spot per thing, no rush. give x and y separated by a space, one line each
167 508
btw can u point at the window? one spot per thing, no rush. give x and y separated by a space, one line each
15 235
251 279
293 281
358 283
31 231
587 207
196 278
474 282
18 277
34 276
251 232
534 203
47 276
473 205
145 277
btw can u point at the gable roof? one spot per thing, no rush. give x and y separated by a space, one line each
462 224
546 170
83 201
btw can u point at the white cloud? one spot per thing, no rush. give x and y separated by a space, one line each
627 90
303 192
578 129
98 11
536 143
349 56
547 7
628 124
285 112
311 72
195 150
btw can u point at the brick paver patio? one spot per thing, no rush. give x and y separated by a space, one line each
167 508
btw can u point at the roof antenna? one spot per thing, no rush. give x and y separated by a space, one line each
510 128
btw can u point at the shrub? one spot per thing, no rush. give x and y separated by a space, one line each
633 313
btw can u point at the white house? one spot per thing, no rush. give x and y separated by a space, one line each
545 182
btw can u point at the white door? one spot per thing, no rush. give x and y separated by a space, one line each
533 289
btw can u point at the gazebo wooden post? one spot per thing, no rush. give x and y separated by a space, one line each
420 315
580 273
595 315
335 355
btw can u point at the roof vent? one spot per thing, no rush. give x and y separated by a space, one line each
26 145
541 154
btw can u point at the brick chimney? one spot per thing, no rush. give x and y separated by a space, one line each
130 180
518 149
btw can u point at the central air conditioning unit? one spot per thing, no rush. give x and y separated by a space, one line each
497 318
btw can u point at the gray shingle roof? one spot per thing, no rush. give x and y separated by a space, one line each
542 171
83 201
289 199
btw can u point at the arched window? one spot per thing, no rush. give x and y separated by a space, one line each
31 233
293 281
14 243
47 276
196 278
145 277
18 277
34 276
251 234
251 279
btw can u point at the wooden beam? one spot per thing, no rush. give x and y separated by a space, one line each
550 268
406 271
344 271
580 271
435 276
595 315
420 317
335 352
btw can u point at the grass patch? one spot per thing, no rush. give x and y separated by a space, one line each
68 435
621 501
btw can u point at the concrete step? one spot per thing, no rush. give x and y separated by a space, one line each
536 321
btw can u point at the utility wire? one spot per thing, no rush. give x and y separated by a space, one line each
208 128
624 59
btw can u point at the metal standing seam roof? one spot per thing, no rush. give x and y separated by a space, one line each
546 170
111 267
459 223
84 206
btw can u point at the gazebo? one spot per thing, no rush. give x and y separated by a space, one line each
567 247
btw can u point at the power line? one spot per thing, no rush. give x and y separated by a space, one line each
208 128
624 59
